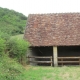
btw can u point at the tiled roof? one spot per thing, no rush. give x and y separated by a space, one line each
60 29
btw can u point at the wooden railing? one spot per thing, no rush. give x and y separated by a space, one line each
61 60
68 60
42 57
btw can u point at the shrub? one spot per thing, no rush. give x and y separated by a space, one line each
2 46
18 49
4 36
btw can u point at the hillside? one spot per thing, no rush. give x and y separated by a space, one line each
12 22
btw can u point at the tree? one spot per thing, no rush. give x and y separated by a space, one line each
12 22
18 49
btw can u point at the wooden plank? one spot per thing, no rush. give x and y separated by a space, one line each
62 61
69 57
68 61
51 61
38 57
55 56
49 57
41 61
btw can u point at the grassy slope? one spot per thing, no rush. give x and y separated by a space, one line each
11 70
18 36
53 73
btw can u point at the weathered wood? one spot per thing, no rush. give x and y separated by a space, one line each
41 61
55 56
68 61
44 57
68 57
51 61
77 60
39 57
62 60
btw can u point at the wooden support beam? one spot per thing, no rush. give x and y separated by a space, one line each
55 60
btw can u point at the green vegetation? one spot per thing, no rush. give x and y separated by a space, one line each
11 70
12 22
2 47
10 50
4 36
13 50
18 36
53 73
18 48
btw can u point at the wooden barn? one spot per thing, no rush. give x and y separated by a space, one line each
54 38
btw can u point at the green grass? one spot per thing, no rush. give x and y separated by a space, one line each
11 70
18 36
53 73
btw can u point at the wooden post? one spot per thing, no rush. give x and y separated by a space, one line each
51 61
55 56
62 61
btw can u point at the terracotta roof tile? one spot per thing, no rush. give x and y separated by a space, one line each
60 29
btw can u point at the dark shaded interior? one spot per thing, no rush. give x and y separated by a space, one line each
63 51
42 51
69 51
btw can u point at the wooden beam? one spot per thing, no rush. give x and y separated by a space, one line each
68 61
69 57
41 61
55 60
45 57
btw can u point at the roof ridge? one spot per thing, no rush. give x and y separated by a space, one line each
55 13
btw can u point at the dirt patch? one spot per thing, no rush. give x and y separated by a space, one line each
27 67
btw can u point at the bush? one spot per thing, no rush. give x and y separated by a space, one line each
18 49
2 47
4 36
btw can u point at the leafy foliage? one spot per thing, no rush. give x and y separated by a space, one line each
2 46
18 49
4 36
12 22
